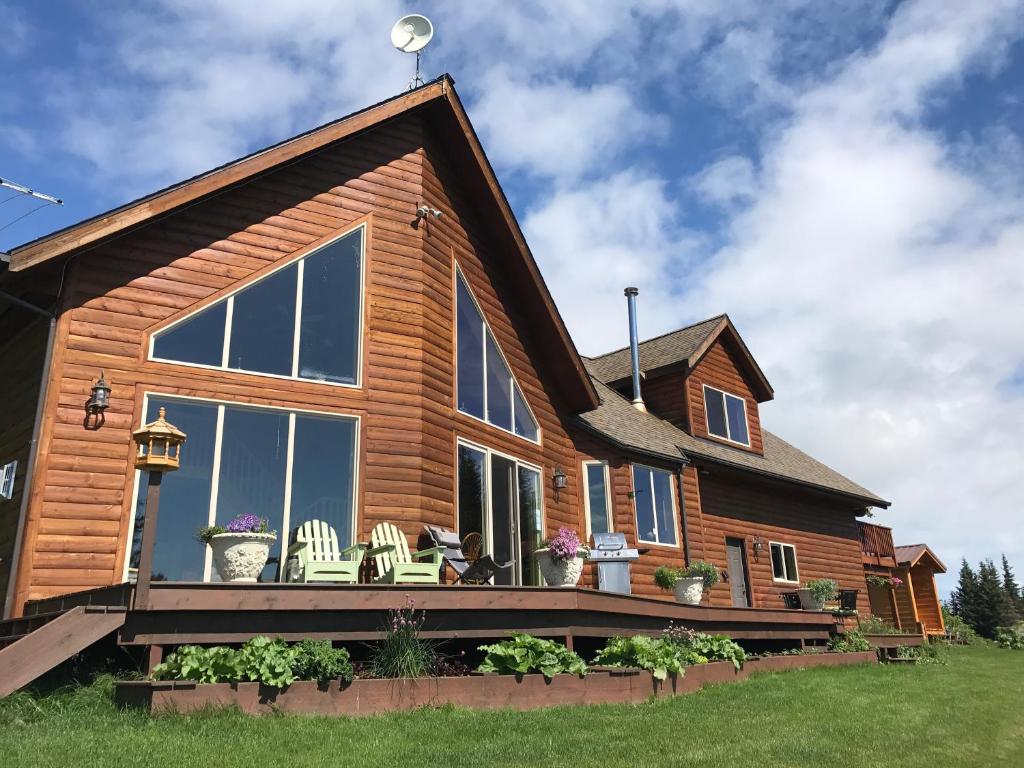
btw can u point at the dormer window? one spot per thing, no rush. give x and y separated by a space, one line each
726 415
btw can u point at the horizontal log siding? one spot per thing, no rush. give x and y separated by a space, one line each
21 361
665 397
824 534
80 512
718 369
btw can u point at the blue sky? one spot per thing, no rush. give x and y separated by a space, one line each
846 179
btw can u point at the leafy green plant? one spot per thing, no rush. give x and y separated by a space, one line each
850 641
219 664
1011 637
873 625
666 577
929 653
523 654
657 655
957 629
822 590
207 532
711 647
402 652
320 660
267 661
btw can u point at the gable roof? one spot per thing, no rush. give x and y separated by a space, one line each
910 554
440 106
685 345
630 429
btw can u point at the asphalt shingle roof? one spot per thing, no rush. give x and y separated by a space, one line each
654 353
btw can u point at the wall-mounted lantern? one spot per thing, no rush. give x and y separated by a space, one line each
97 403
758 546
158 451
558 479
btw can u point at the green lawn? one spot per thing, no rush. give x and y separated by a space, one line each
969 712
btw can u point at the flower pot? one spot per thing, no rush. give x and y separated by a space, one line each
807 601
241 556
559 573
689 590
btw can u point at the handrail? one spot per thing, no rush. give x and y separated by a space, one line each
876 540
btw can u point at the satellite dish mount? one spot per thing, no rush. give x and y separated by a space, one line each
410 34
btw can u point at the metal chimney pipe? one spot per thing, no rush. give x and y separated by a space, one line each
634 348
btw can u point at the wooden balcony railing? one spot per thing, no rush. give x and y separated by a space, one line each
876 544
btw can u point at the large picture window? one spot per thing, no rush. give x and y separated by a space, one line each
302 321
655 506
485 386
597 497
784 563
726 415
287 466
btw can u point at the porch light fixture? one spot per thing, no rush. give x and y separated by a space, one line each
98 402
758 546
558 479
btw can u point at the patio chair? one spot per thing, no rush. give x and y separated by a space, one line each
396 565
792 600
848 599
476 570
314 555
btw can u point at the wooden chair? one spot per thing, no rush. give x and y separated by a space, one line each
314 555
396 565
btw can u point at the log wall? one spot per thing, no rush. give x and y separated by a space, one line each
718 369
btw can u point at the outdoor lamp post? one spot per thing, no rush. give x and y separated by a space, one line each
159 450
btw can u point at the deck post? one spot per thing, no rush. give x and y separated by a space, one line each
154 656
148 540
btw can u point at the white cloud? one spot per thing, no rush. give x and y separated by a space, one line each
728 181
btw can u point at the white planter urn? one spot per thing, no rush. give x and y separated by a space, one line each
241 556
689 590
559 573
807 601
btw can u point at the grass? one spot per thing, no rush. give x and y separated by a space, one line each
964 713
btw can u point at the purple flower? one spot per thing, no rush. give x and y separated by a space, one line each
566 545
245 524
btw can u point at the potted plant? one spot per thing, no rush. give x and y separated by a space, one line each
884 582
687 583
561 561
816 592
241 549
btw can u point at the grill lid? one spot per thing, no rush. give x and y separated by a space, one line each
611 547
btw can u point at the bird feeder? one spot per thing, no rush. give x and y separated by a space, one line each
159 445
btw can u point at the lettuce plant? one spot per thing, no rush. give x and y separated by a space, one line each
523 654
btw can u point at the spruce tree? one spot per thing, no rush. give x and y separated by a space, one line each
991 608
964 597
1013 592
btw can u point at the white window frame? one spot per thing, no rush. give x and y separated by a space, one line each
707 423
488 522
8 472
229 300
672 493
796 565
585 482
459 274
215 472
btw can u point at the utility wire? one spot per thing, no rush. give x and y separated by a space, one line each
29 213
8 199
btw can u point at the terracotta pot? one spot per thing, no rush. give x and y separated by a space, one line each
241 556
807 601
559 573
689 590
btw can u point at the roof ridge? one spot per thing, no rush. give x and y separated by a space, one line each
661 336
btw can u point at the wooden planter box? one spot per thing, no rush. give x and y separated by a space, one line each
368 697
894 641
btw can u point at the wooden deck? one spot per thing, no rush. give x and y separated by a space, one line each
182 612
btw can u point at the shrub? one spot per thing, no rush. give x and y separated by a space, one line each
929 653
402 652
1011 637
873 625
956 627
320 660
523 654
666 577
822 590
852 640
658 656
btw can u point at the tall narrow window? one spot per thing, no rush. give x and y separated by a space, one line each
784 563
485 387
726 415
597 497
301 321
655 506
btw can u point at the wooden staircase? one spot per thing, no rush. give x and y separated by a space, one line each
32 645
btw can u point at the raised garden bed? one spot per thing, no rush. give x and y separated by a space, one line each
368 697
894 641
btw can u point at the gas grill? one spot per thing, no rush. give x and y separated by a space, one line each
613 558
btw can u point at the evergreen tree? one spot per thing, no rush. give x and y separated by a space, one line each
991 607
1011 589
963 598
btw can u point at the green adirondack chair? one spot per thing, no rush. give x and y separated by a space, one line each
396 565
317 556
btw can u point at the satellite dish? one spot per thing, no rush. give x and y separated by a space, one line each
411 33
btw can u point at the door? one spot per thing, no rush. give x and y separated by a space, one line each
516 525
736 559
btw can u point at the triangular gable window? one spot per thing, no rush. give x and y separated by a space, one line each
485 386
301 321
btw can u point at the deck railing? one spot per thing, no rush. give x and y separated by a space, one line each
876 541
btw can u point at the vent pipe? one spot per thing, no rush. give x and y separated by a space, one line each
634 348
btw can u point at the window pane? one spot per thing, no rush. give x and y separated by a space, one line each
644 504
184 494
737 419
470 343
199 339
778 568
263 325
530 525
715 406
597 498
663 507
331 285
790 563
499 392
472 490
525 425
323 471
254 450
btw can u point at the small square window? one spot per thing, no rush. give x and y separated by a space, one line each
7 473
726 416
784 563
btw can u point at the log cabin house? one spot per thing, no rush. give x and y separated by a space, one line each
336 350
